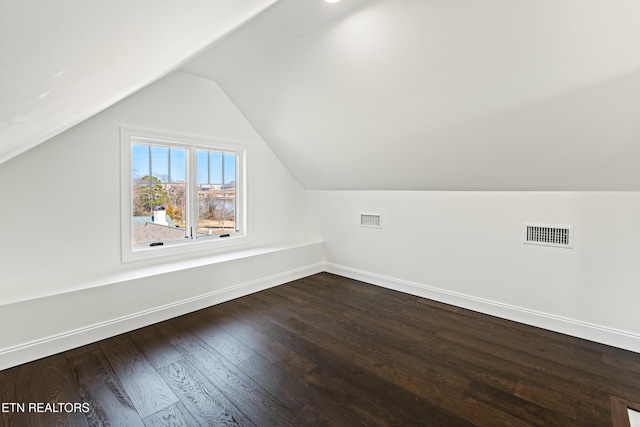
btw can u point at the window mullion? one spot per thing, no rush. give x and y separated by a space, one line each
238 170
192 193
222 178
150 166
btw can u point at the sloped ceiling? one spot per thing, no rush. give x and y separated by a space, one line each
63 61
443 95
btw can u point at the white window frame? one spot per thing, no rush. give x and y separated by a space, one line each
131 252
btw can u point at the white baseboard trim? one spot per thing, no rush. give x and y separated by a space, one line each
589 331
54 344
29 351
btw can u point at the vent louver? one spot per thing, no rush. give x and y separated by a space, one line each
549 235
370 220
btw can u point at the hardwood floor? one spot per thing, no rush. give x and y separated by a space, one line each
328 351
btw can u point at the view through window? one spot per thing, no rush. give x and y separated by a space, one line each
158 193
181 192
216 176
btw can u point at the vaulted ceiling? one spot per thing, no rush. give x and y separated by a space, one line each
450 95
63 61
374 94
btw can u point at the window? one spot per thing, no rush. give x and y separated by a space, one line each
180 194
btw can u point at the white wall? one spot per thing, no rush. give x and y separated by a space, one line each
60 222
466 248
60 227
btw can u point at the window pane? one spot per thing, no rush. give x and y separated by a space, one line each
202 167
229 168
216 210
215 165
139 161
160 163
178 165
216 200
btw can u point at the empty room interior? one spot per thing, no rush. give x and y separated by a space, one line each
287 212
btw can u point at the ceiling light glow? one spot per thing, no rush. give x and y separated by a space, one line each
331 1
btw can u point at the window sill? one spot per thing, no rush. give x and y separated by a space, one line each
177 248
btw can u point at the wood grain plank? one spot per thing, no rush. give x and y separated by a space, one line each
48 384
548 397
175 415
619 414
146 389
258 405
525 410
207 404
313 407
155 346
99 386
219 340
280 355
8 395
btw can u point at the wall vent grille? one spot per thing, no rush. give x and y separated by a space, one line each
549 235
371 220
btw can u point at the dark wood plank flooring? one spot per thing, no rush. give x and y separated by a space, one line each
328 351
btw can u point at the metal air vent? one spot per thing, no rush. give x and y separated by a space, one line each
370 220
549 235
